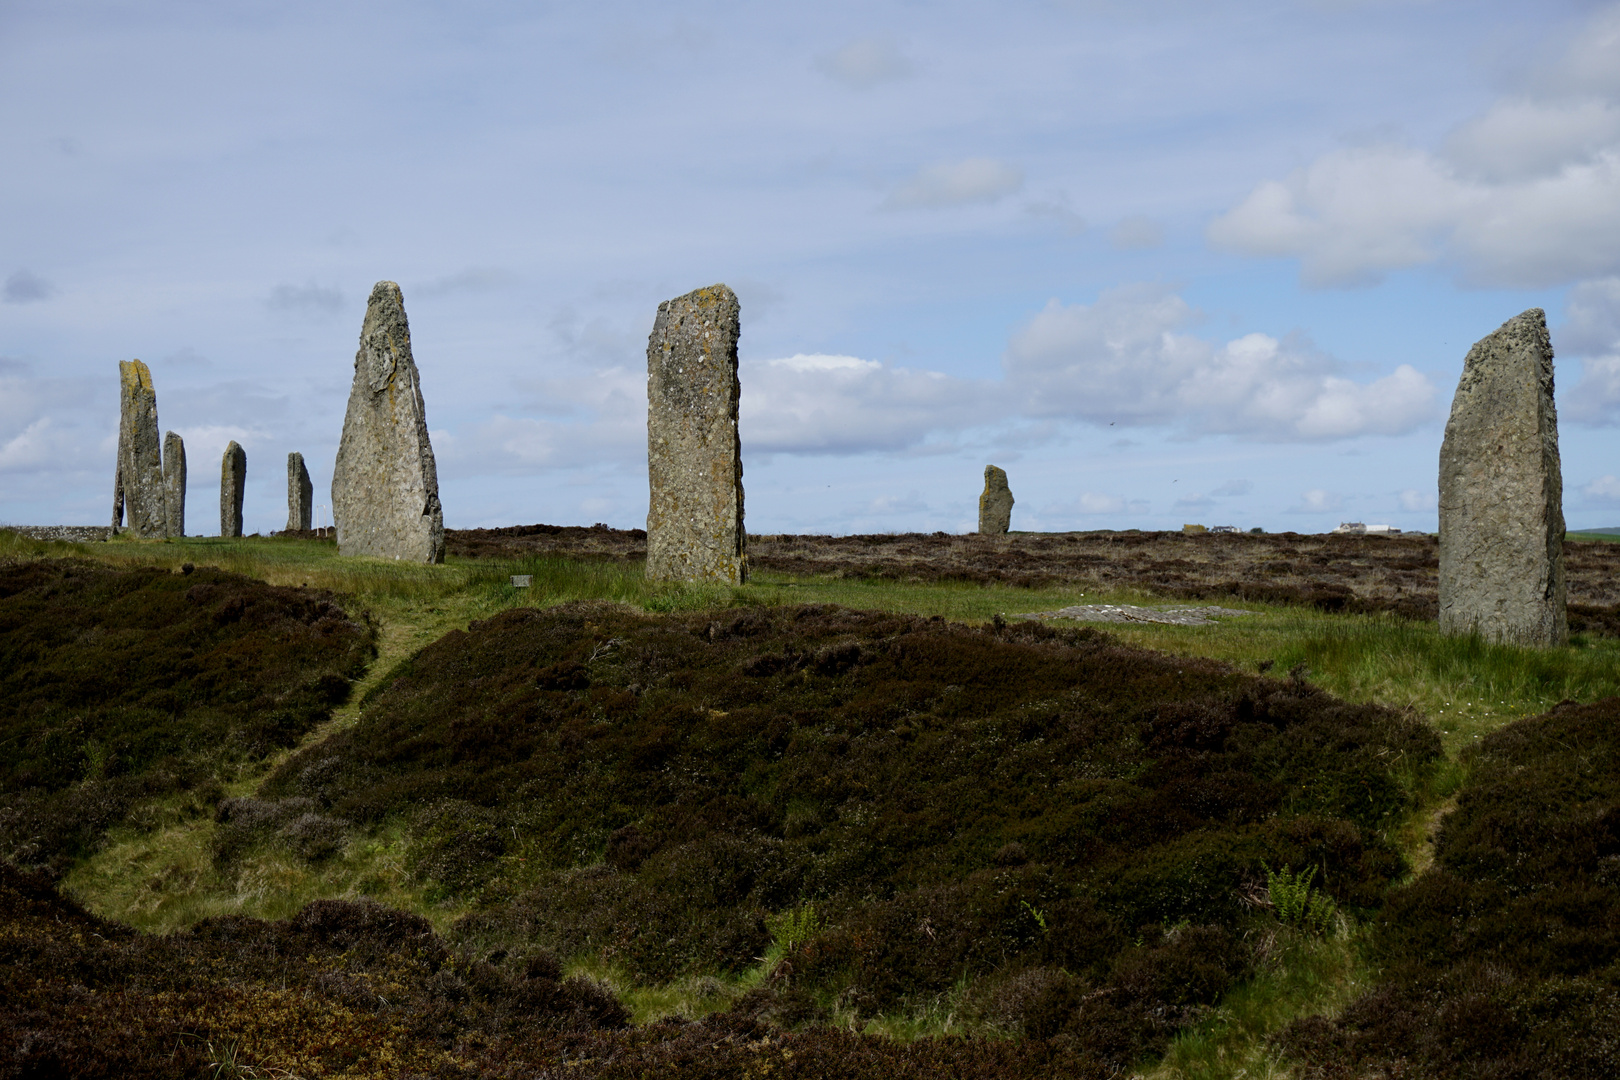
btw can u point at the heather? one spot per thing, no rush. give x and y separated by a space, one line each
1070 823
1503 959
123 686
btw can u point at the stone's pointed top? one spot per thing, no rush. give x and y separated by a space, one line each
233 448
135 375
385 291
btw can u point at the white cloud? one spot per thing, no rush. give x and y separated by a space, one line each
825 404
1125 359
1194 501
1233 487
1317 501
972 180
1527 194
865 63
1603 489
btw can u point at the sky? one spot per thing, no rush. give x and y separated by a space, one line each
1163 261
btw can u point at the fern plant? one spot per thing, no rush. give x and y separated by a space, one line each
794 927
1294 901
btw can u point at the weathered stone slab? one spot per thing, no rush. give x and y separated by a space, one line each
138 492
996 502
694 456
174 482
232 481
1502 493
385 487
300 494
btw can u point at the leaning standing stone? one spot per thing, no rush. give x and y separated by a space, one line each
300 493
232 479
174 482
385 487
694 456
995 505
1501 493
138 476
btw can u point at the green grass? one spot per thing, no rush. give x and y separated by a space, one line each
158 874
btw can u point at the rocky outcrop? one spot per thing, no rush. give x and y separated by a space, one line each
694 456
174 482
996 503
138 490
1501 493
232 481
385 486
300 494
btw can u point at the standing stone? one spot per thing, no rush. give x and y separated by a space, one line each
995 505
694 457
385 486
1502 493
232 478
174 482
300 493
138 477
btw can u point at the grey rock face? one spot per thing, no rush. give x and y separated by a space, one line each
385 487
1502 493
138 490
996 503
174 482
300 493
232 479
694 457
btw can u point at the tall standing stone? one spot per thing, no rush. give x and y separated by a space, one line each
1501 493
385 487
694 456
232 479
300 493
174 482
138 477
996 503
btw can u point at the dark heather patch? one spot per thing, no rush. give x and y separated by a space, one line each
1504 959
955 801
122 685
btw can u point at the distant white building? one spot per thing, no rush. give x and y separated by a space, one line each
1357 528
1223 528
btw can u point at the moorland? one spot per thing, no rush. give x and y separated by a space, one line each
265 811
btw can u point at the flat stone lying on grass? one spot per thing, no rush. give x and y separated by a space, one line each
1128 613
81 534
522 581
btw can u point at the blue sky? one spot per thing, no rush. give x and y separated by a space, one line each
1162 261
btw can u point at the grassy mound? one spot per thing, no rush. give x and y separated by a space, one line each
121 686
890 804
1504 959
